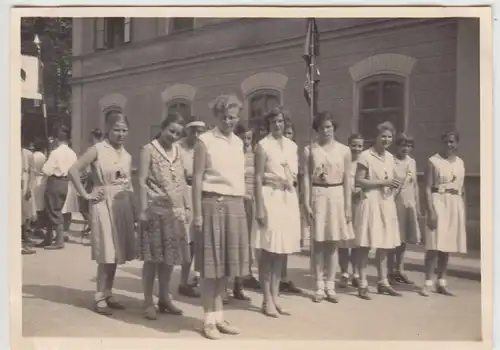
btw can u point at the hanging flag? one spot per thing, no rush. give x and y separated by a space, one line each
30 78
311 51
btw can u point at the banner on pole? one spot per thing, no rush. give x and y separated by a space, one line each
30 78
311 51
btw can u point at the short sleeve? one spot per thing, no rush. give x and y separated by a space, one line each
363 160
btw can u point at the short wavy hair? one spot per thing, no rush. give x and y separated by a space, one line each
273 113
224 102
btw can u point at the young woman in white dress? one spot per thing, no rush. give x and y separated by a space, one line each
347 249
327 199
445 200
375 221
277 207
407 205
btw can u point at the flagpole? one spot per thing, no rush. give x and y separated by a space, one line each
37 43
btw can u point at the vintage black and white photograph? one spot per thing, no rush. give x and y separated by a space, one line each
275 177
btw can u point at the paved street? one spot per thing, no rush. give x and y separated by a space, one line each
58 293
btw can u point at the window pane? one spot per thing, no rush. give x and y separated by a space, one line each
181 107
392 94
369 96
368 122
271 102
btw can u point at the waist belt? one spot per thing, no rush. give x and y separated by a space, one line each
317 184
447 190
60 177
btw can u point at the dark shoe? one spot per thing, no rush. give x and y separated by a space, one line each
289 287
383 289
54 247
251 283
363 293
239 294
343 282
393 280
66 238
402 278
113 304
27 251
444 291
355 282
169 308
102 308
331 297
188 291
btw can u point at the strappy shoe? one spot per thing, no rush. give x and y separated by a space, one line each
210 331
269 313
363 293
226 328
167 307
150 313
113 304
384 289
444 291
102 308
402 278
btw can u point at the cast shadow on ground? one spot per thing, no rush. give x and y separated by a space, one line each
132 315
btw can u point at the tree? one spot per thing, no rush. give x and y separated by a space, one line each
56 43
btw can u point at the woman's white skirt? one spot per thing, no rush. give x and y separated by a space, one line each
71 203
283 232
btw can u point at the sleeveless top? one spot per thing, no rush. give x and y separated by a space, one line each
329 166
281 159
446 174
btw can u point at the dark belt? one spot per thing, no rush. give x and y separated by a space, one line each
317 184
60 177
448 191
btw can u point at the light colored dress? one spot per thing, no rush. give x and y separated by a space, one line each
282 234
71 204
328 203
376 222
39 180
450 235
163 238
356 192
406 200
112 219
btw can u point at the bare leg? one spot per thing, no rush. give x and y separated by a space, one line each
276 275
266 274
148 282
400 256
381 256
344 261
354 262
443 258
331 269
319 269
391 261
430 263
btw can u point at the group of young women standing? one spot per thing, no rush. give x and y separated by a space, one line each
215 198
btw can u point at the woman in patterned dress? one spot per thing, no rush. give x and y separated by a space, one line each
277 207
219 218
407 205
445 198
376 222
111 207
163 240
327 199
347 249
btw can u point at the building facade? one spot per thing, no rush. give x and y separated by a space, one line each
421 74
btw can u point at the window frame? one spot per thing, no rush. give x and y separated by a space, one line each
102 31
381 77
179 100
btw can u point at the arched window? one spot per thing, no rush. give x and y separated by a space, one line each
181 106
260 102
381 98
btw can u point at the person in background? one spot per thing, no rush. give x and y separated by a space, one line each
165 210
446 217
277 232
25 211
348 249
70 207
111 207
246 135
95 137
286 285
56 168
194 128
28 206
38 184
219 218
375 221
407 205
327 186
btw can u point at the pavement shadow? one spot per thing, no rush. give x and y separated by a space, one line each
132 315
